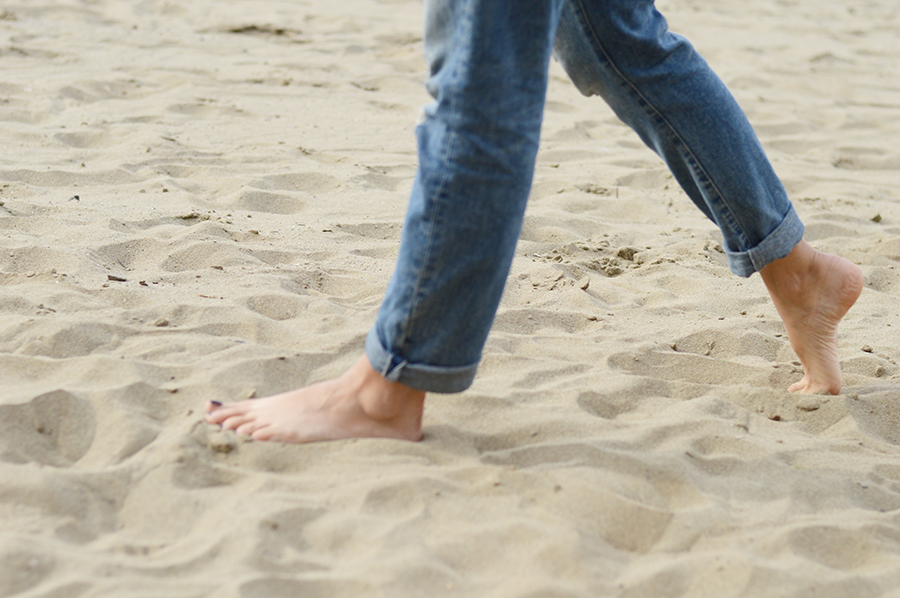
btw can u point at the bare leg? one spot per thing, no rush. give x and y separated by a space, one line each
358 404
812 291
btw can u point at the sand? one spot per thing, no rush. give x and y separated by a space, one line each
202 200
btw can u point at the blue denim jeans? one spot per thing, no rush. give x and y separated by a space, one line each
488 62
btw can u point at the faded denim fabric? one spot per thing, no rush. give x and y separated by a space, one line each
488 62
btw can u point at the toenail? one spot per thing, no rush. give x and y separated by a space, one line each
216 403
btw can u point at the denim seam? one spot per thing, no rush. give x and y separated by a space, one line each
655 113
424 272
435 208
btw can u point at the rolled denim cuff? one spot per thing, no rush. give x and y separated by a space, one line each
777 245
429 378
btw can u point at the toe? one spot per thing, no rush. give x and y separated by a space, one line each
263 433
235 421
800 386
247 428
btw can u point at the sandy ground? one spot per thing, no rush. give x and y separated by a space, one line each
202 200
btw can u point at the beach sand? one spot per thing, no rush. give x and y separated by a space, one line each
202 200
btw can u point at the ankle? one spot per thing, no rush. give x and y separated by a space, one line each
787 278
380 398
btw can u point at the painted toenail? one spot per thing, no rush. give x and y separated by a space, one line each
216 403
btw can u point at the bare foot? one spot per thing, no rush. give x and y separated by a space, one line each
358 404
812 291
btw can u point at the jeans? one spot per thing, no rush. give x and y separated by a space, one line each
488 63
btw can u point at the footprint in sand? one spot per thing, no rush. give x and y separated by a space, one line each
54 429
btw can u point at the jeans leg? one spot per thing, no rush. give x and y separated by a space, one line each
657 84
488 64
